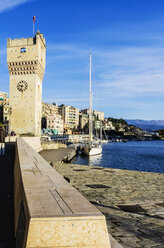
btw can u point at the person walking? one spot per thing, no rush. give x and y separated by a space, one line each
2 141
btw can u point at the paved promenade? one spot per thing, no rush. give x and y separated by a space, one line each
133 202
6 198
56 155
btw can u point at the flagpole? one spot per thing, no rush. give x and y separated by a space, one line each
33 29
34 17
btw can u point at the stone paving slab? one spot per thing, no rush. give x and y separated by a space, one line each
56 155
141 224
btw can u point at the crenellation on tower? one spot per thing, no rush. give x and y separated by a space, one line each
20 42
26 65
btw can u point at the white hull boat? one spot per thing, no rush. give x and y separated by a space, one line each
92 150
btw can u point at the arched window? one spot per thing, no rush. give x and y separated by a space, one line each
23 50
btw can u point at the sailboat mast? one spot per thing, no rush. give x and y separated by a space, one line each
90 104
101 131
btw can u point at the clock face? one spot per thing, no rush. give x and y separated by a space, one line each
22 86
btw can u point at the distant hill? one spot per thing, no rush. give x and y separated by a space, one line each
152 125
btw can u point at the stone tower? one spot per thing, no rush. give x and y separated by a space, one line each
26 64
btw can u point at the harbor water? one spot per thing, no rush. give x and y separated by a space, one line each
132 155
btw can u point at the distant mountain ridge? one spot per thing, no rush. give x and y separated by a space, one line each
151 125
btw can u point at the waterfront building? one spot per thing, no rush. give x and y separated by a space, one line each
3 97
107 125
45 109
84 123
83 120
49 109
6 115
70 115
85 111
51 119
4 109
99 115
53 122
67 130
53 108
26 65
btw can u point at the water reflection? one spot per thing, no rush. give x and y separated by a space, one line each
95 160
134 155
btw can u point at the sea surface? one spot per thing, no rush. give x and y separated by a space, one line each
132 155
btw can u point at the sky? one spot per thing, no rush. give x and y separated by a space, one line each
126 38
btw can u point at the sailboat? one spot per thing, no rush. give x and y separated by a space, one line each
93 147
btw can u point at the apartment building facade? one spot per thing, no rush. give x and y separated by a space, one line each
99 115
51 119
70 116
4 109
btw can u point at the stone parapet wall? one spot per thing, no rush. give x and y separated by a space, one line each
49 212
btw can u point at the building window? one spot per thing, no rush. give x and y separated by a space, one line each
23 50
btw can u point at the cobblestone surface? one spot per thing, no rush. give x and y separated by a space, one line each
133 202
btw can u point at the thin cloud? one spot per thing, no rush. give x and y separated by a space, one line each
121 73
9 4
131 71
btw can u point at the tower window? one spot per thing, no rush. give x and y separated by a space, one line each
23 50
